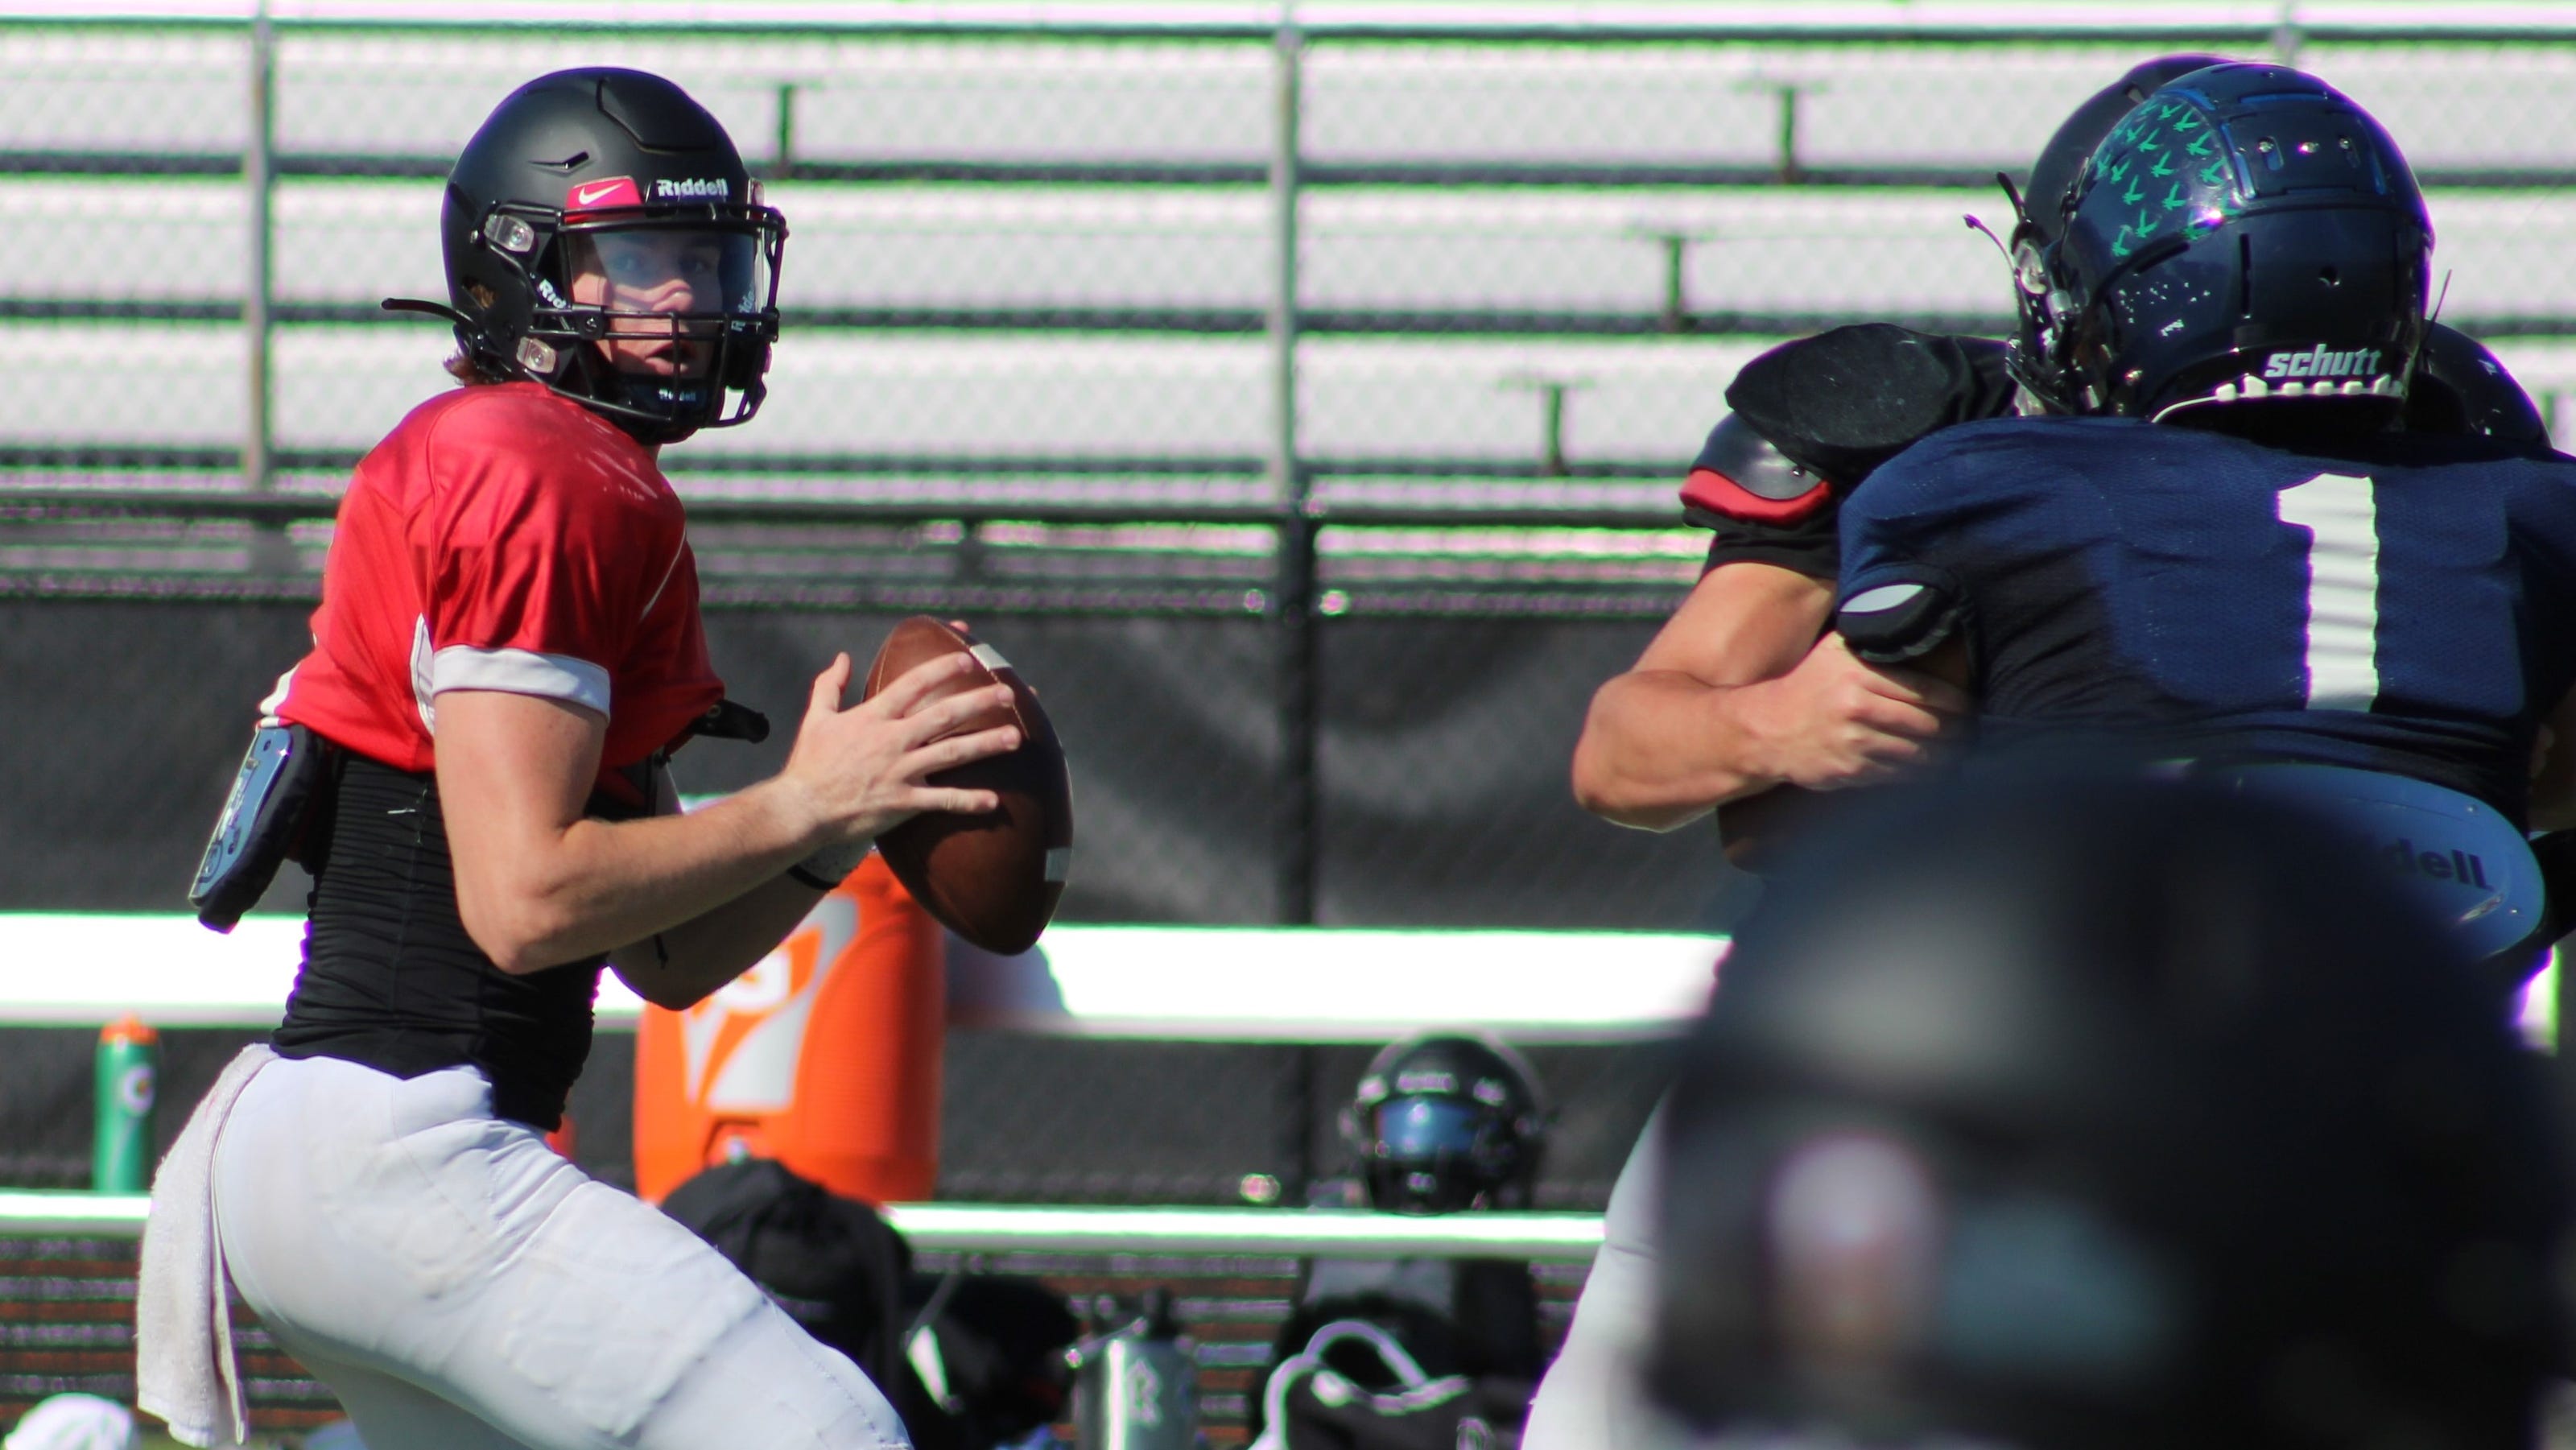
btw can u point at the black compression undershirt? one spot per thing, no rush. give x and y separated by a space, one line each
392 981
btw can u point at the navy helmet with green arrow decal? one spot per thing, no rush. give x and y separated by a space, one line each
2245 235
2047 193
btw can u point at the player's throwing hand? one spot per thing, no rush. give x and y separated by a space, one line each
861 768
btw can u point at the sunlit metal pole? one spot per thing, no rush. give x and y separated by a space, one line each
256 157
1293 604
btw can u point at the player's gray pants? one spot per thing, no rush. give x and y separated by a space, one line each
459 1286
1590 1399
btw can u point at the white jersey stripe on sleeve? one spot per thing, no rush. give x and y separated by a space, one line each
276 700
520 672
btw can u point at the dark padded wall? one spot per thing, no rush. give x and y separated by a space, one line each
1443 758
122 723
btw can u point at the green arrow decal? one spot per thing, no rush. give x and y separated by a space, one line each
2209 174
2162 169
2174 199
2132 195
2199 146
2149 144
2146 225
2119 246
2119 172
2188 123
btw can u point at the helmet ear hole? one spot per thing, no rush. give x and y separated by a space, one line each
537 357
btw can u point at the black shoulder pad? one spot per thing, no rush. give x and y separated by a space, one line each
1843 402
2459 387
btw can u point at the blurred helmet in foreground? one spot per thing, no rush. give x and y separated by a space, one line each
2082 1115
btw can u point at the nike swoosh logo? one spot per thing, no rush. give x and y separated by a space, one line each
586 195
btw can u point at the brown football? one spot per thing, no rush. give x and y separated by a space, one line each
993 879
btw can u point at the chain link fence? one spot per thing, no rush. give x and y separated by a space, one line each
1441 796
1016 252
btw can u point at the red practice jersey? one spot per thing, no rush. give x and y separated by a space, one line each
504 538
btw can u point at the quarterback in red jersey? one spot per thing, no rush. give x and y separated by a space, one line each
505 539
508 648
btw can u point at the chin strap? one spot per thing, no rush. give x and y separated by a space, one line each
634 422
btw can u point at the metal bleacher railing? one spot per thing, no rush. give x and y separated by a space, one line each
1725 172
1203 310
997 1228
67 1263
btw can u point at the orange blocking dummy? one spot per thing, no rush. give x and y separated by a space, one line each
825 1056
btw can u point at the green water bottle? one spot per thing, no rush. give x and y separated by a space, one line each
129 1072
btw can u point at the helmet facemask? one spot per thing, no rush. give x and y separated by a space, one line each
2037 360
660 317
1432 1153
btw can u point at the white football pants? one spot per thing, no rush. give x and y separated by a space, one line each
1591 1398
460 1287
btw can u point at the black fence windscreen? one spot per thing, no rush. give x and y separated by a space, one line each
1441 760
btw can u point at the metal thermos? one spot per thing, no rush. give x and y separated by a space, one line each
1136 1386
128 1081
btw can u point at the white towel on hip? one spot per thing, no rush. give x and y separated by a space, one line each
183 1329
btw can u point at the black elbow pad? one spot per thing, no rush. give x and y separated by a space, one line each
1892 619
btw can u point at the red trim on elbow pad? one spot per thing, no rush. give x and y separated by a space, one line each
1706 488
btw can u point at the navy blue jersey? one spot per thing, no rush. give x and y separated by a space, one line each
2409 606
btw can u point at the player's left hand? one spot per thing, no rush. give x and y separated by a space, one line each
1837 721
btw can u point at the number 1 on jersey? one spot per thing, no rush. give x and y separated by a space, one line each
2341 514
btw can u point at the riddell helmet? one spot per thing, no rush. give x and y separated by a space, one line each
2246 235
2040 206
600 163
1444 1122
2460 387
2104 1114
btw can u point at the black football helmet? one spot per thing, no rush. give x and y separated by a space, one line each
1447 1121
2075 1113
2040 204
2245 235
578 182
2460 387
